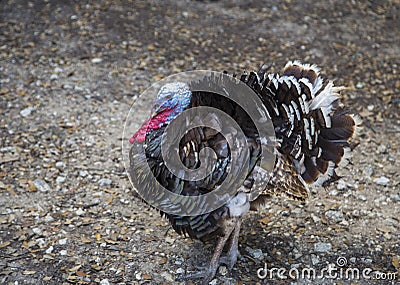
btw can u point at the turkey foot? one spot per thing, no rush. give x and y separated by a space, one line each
208 274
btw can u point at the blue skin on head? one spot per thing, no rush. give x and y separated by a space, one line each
174 96
172 99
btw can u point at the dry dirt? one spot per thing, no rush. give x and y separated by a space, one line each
70 71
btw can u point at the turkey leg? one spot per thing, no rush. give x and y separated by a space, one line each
233 253
209 273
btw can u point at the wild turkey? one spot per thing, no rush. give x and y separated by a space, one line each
312 132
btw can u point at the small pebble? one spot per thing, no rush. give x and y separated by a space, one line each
297 255
356 213
60 165
295 265
341 185
380 199
180 270
395 197
366 260
362 198
334 192
285 213
49 250
80 212
53 76
314 259
138 276
58 70
255 253
37 231
315 218
390 221
60 179
178 262
297 211
27 111
368 171
382 148
97 60
104 182
387 236
48 218
62 241
336 216
41 242
223 270
167 276
169 239
104 282
360 85
67 86
322 246
382 181
41 185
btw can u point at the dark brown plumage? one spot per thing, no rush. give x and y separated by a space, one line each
312 131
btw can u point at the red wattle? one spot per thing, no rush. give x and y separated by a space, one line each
151 124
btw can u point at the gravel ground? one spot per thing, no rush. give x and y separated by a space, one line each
70 71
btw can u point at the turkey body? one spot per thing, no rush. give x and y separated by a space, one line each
312 132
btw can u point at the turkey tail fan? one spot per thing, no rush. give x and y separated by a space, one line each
326 129
310 124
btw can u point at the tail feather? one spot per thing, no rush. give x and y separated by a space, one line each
311 170
343 126
337 134
313 128
331 151
322 165
299 71
332 126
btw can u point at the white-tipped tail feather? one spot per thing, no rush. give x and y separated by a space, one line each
312 127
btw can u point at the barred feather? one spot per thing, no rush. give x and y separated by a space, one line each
312 130
312 126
